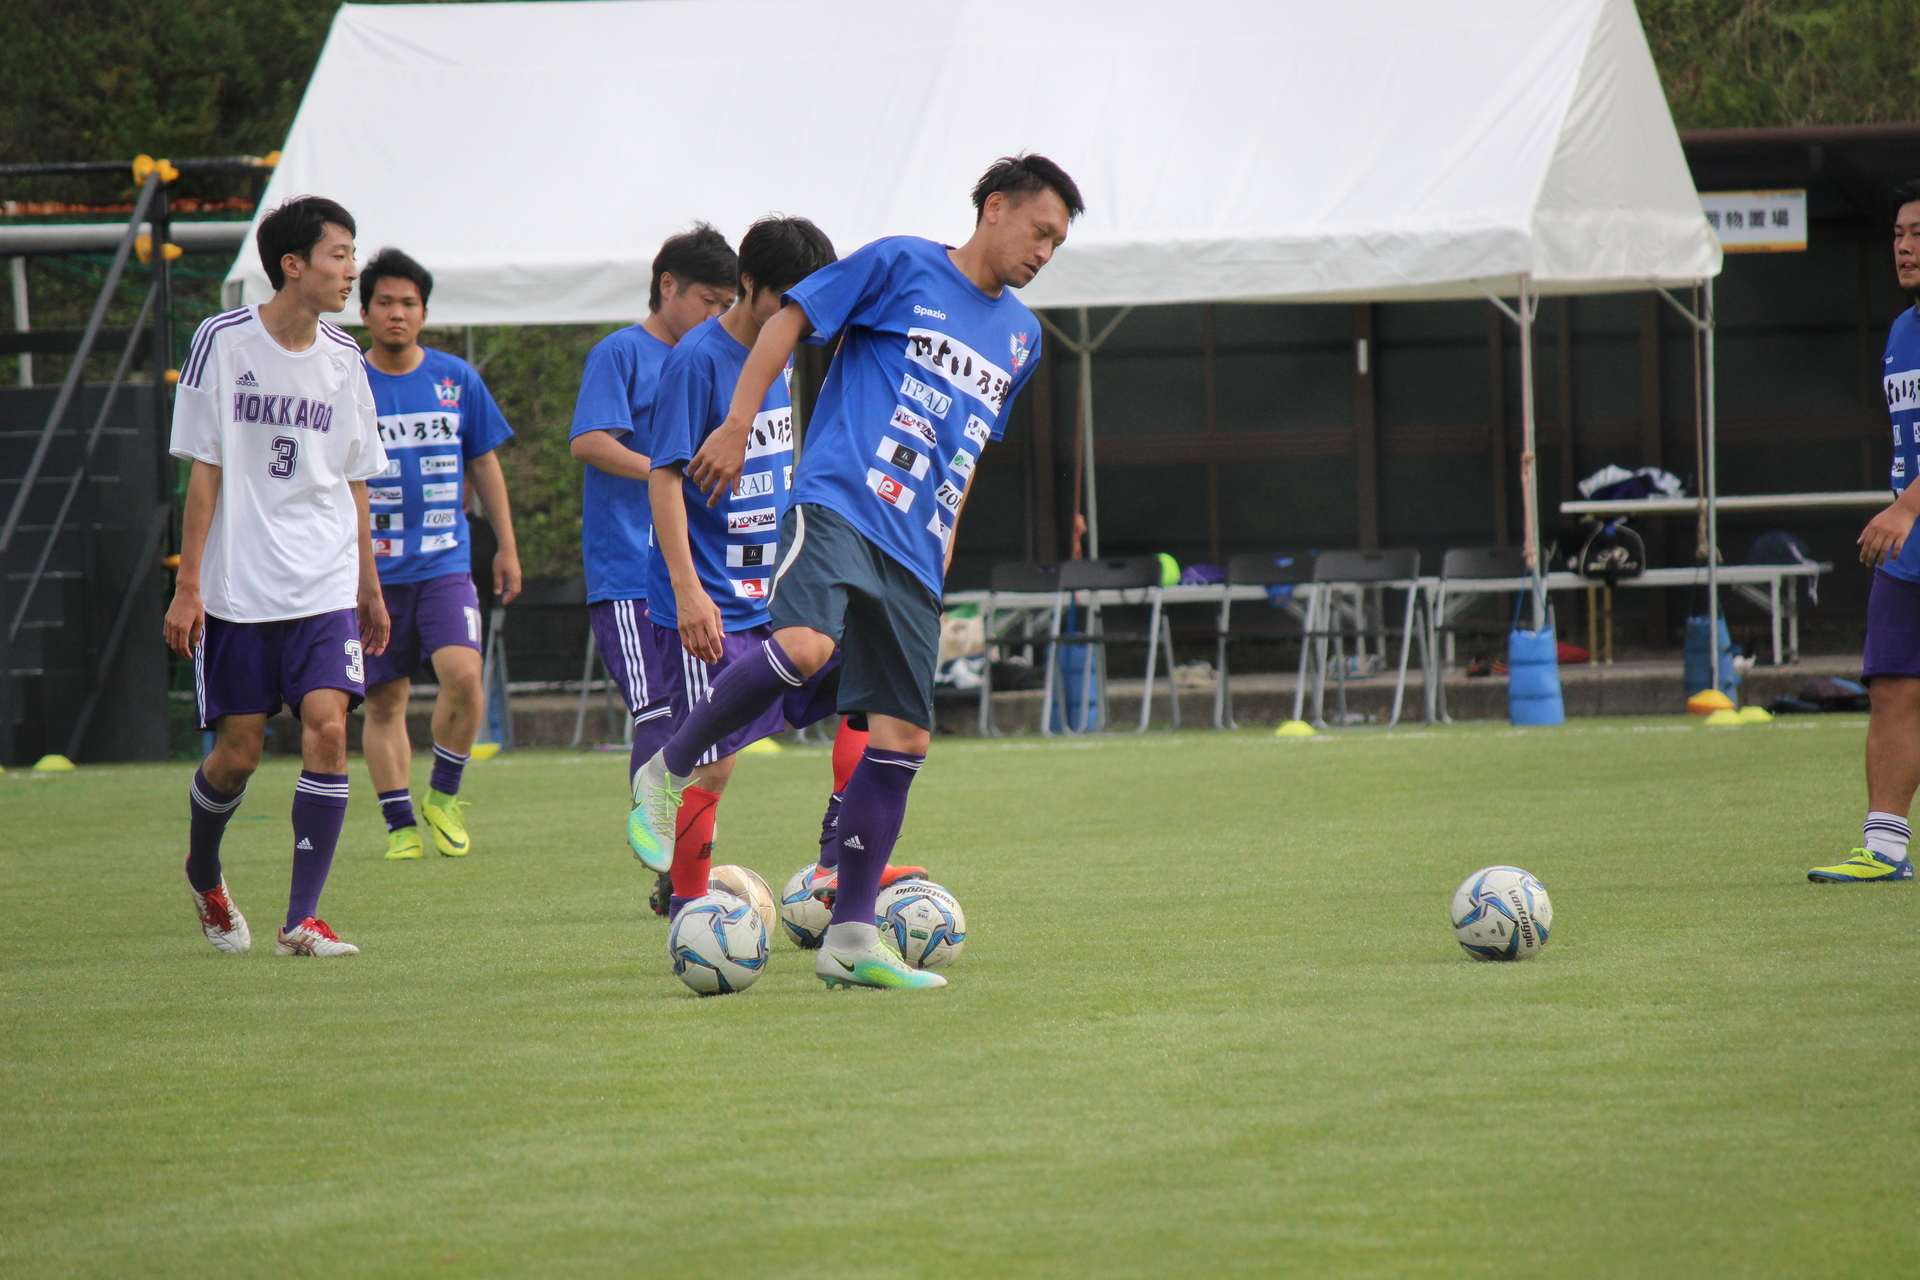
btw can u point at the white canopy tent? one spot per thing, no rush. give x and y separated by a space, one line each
535 154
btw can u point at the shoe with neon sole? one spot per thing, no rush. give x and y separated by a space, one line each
446 816
311 937
404 844
1864 867
656 806
878 966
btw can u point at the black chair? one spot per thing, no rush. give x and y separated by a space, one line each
1463 564
1020 578
1339 612
1125 573
1253 569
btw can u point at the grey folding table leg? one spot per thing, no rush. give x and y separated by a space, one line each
986 672
1306 650
1053 658
1222 705
586 686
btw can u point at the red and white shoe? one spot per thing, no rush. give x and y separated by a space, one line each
311 937
221 921
826 880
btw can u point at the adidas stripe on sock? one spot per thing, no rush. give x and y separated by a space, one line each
1886 834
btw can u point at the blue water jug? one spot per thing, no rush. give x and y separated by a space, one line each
1533 678
1698 673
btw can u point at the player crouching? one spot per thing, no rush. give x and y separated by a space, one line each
277 601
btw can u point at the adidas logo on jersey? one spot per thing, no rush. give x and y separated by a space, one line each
246 380
852 842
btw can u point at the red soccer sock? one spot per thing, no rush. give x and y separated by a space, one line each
848 746
693 846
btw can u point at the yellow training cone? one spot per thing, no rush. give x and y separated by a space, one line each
1755 715
1708 701
53 764
484 750
764 747
1726 715
1295 729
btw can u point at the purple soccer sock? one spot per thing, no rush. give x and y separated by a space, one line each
319 809
674 904
397 808
830 832
870 818
448 767
742 692
210 808
649 736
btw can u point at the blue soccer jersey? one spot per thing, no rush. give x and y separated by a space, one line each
433 421
923 378
734 542
616 518
1902 383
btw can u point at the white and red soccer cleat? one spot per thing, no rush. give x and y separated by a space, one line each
221 921
824 884
311 937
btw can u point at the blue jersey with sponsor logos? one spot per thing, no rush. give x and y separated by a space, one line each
432 422
733 542
925 375
1901 379
616 518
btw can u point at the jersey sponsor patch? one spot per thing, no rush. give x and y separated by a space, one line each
419 430
440 518
940 529
960 365
948 495
392 548
750 555
905 419
1903 390
387 521
978 431
772 432
1900 466
393 470
962 464
750 588
786 478
934 402
397 494
757 520
903 457
889 490
440 492
755 484
444 464
440 542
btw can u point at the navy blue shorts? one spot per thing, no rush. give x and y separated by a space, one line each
1893 628
255 668
831 579
427 617
689 681
622 634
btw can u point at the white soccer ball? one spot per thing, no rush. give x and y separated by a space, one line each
742 882
718 944
923 921
805 916
1502 913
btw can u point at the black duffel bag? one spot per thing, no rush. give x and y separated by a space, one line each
1605 549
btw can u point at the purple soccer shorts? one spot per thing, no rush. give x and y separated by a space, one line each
1893 628
689 680
427 617
255 668
620 633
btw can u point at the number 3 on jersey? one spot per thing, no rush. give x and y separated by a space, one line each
286 456
356 668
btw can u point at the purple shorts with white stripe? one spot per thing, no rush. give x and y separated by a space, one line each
254 668
427 617
690 680
621 632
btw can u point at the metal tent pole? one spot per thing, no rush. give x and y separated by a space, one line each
1712 486
1086 346
1529 469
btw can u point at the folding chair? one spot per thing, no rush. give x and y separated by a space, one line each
1125 573
1254 569
1462 564
1339 611
1027 578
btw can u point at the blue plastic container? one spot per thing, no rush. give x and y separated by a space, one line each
1699 674
1533 678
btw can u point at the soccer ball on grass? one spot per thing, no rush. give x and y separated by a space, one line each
743 883
718 944
923 921
1502 913
805 916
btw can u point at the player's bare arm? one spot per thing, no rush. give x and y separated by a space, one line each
701 625
490 483
1887 532
717 463
372 604
602 450
186 616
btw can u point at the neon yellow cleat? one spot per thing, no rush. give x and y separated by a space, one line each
404 844
1863 868
446 815
878 966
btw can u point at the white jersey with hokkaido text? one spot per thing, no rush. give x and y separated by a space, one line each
289 430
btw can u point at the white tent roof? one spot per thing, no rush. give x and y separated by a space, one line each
534 155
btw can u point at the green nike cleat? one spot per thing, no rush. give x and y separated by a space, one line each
404 844
656 805
446 815
1863 868
878 966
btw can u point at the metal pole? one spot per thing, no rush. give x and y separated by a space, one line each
20 322
1712 486
1086 436
1529 471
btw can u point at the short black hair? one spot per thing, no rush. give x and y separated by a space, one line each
1023 175
699 256
778 253
391 264
1905 194
295 227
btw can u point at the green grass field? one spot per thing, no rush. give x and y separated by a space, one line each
1211 1021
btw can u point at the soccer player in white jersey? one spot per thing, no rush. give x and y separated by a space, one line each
277 600
934 348
440 428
